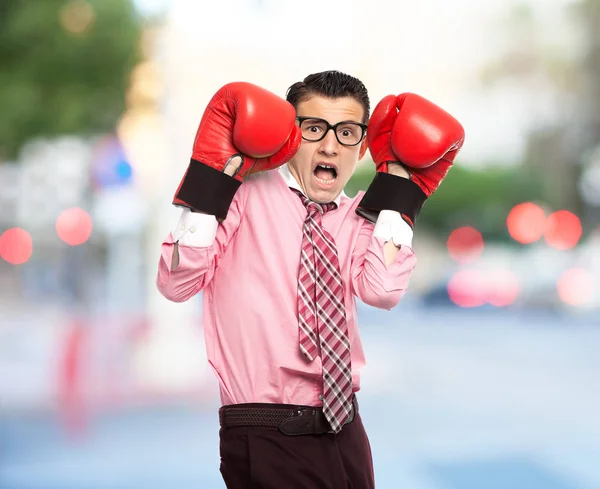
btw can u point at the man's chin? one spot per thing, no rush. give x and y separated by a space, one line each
323 196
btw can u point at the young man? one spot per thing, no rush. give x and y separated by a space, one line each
282 257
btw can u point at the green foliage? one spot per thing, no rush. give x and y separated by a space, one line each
479 198
361 179
56 81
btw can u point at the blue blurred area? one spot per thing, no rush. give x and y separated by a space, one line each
524 473
451 400
109 165
151 447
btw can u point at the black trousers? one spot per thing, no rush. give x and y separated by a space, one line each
265 458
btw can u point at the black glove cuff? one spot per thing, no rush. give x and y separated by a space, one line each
391 192
207 190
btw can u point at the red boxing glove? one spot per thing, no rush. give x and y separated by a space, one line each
425 139
242 120
412 130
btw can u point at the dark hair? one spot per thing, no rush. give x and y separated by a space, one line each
332 84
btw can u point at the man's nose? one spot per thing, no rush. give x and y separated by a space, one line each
329 144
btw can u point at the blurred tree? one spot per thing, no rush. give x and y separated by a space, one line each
587 109
557 67
562 63
64 67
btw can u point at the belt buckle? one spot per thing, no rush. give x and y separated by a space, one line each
301 423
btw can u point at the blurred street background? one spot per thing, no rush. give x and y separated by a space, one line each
487 374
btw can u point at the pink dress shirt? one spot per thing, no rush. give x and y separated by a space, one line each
247 267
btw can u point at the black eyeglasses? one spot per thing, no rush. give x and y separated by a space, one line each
347 133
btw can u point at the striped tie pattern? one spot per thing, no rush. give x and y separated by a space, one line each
322 315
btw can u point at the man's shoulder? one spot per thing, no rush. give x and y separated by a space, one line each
263 187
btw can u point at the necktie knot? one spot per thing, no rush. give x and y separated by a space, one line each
316 208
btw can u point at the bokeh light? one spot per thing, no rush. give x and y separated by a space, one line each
502 287
466 288
110 166
16 246
77 16
123 170
575 286
74 226
563 230
465 244
526 222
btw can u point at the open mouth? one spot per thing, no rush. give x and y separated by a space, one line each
325 173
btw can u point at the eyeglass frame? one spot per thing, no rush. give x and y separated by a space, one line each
301 119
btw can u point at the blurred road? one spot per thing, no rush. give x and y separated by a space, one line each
451 400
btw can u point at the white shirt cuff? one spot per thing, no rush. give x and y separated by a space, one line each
391 226
195 229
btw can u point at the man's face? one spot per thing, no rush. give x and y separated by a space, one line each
309 164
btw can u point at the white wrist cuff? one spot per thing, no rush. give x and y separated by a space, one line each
391 226
195 229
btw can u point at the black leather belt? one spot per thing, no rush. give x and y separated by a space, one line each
289 418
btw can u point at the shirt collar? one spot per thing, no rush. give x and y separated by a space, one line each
291 182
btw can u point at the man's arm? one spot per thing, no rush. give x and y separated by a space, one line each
245 129
413 143
383 283
191 253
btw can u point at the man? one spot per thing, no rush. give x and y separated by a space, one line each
281 254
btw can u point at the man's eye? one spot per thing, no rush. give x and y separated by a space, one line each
314 129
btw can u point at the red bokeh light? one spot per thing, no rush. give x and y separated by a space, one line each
563 230
575 286
526 222
74 226
16 246
465 244
466 288
474 288
502 287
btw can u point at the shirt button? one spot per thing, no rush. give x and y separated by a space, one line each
182 227
192 229
321 397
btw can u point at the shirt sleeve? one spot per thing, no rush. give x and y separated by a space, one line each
202 243
373 282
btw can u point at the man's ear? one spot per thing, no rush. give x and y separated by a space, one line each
363 148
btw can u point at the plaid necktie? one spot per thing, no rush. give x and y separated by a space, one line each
322 315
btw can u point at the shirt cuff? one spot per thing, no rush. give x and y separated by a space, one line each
391 226
195 229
